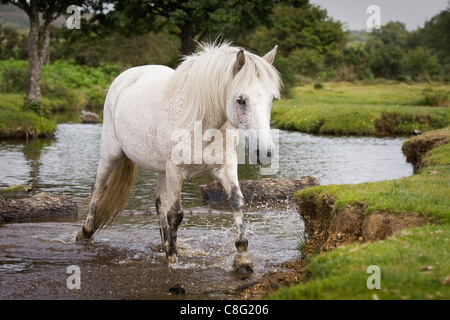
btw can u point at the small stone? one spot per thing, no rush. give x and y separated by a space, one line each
426 268
177 289
89 117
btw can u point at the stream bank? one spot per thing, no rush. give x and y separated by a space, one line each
349 228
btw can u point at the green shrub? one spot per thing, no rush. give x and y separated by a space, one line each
307 62
420 60
283 65
37 107
435 98
318 86
13 76
64 84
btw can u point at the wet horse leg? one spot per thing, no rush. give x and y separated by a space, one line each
229 180
161 204
174 213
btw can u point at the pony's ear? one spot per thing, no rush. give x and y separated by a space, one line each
240 61
270 56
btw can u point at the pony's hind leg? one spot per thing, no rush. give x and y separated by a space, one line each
160 203
173 210
103 172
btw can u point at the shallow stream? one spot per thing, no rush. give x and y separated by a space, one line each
124 261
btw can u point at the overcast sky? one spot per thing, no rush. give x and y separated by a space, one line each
353 12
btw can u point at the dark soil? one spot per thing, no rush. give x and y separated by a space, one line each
416 148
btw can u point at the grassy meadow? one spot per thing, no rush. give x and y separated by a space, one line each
413 266
385 109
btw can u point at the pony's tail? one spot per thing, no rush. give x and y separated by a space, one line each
119 188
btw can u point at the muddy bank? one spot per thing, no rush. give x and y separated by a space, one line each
289 273
416 148
328 228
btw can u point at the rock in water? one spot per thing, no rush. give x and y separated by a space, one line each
39 206
89 117
262 190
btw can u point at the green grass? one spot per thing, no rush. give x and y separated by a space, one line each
402 258
413 265
356 109
17 123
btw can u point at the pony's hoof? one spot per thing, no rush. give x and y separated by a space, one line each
81 236
242 263
172 258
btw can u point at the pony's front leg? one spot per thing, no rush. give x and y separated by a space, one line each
229 179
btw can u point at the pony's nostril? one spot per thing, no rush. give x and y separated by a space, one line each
269 154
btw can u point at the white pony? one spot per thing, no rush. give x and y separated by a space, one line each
221 87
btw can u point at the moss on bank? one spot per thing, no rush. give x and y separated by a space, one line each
355 109
18 123
413 262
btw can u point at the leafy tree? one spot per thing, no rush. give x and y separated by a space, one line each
356 59
39 36
387 62
189 19
12 44
307 62
299 27
306 37
436 34
419 61
393 32
386 48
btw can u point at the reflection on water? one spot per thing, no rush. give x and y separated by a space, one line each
67 163
124 262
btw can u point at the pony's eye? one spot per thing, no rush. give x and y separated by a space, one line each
241 101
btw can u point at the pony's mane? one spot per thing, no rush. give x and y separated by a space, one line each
203 79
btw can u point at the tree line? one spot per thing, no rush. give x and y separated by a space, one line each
312 46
